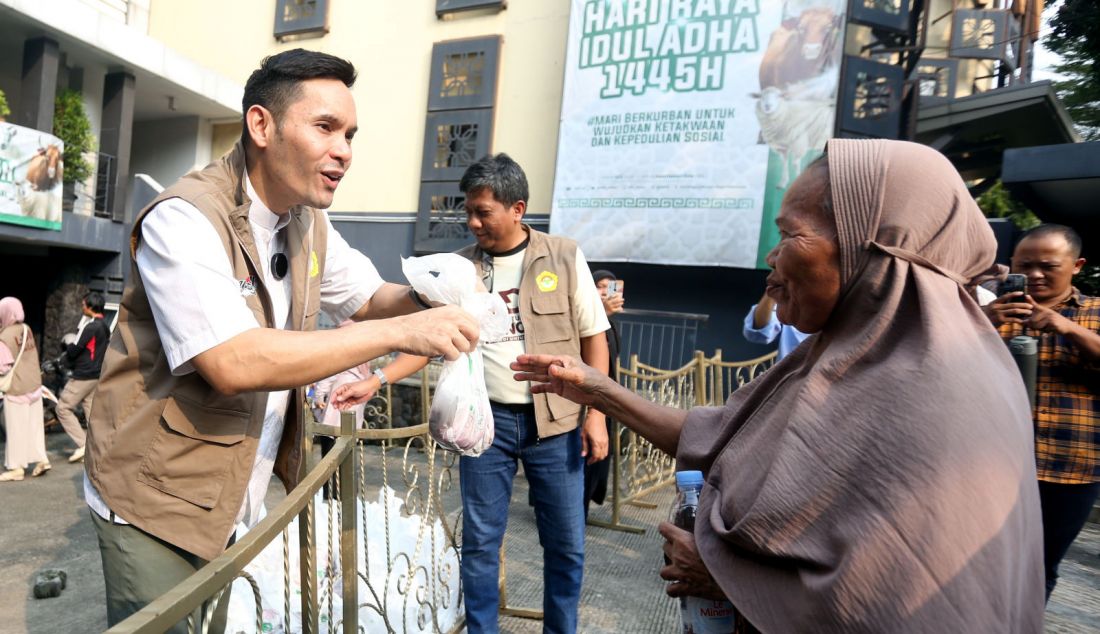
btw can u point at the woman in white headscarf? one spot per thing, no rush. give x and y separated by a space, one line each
26 442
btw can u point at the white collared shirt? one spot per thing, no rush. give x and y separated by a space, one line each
198 304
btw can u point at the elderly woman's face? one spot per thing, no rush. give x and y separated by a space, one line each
805 280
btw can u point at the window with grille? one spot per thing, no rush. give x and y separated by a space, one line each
869 102
300 17
444 7
458 131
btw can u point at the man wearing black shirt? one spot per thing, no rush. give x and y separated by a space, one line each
86 355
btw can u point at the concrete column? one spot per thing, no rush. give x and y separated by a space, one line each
116 135
41 56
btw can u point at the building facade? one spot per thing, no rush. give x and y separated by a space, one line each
151 112
444 81
441 83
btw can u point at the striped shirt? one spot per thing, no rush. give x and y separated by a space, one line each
1067 399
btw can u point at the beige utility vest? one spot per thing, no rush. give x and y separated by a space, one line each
28 376
169 453
549 317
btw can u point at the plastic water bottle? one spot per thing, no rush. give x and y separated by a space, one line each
1025 350
698 615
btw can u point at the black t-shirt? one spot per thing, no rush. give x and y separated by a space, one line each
86 354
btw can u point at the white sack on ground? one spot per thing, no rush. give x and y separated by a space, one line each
388 571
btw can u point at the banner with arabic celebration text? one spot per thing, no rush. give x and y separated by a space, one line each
31 168
684 121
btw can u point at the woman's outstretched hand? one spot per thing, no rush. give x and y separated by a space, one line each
565 376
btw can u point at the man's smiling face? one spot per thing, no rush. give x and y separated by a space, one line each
310 149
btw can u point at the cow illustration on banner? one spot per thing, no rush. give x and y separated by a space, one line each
31 176
684 121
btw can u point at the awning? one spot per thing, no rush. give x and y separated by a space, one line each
1060 183
974 132
167 83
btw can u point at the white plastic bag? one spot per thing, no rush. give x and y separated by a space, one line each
391 530
460 418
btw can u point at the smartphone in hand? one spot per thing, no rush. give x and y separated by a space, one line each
614 287
1013 283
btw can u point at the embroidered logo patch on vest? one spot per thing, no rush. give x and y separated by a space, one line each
247 287
314 268
546 281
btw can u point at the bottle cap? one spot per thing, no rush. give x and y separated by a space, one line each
685 479
1023 345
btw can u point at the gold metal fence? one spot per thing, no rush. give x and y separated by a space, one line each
203 590
387 544
381 555
724 377
637 467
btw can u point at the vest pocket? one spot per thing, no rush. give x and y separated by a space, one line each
560 408
550 303
553 334
190 456
556 326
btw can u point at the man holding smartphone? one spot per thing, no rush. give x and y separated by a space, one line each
611 294
1066 324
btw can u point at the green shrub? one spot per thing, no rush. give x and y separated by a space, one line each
71 125
998 202
4 109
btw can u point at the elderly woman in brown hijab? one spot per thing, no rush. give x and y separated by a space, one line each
880 478
26 441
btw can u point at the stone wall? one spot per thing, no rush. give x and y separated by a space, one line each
62 311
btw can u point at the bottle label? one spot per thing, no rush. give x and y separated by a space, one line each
706 616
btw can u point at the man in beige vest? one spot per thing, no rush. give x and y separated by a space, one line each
556 309
198 402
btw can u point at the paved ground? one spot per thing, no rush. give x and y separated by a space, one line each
622 592
45 525
1075 604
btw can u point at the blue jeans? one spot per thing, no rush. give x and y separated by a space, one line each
555 472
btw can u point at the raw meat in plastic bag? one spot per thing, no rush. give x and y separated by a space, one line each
460 419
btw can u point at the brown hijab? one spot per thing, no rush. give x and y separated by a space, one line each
881 477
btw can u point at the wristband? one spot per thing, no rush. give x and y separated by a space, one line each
382 382
418 300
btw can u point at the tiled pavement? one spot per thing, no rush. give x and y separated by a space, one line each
45 524
622 592
1075 604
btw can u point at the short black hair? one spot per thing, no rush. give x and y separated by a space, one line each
95 301
499 174
276 83
1073 239
602 274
